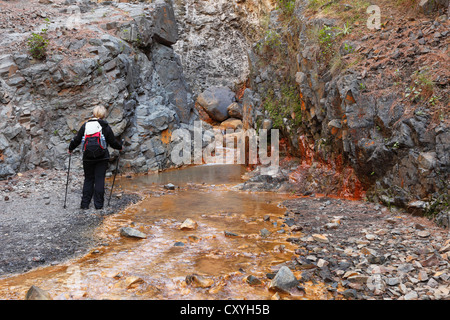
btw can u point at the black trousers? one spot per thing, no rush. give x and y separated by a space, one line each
94 183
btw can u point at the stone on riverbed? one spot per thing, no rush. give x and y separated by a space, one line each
284 280
35 293
199 281
169 186
252 280
132 233
264 232
189 224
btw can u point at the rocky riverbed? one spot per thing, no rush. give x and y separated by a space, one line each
354 249
35 228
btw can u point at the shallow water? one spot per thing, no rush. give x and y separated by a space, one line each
224 249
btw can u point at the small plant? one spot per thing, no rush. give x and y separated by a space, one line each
413 93
327 40
433 100
348 48
420 113
422 87
38 43
286 6
345 30
272 39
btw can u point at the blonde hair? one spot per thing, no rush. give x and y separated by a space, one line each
99 112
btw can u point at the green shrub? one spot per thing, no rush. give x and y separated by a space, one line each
286 104
286 6
38 43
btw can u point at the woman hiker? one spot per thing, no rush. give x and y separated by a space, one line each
96 135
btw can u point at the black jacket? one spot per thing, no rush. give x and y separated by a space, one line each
107 132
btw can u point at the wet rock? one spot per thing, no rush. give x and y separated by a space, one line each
169 186
35 293
284 280
199 281
230 234
132 233
252 280
189 224
133 281
264 232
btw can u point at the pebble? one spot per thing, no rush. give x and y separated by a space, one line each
412 295
320 238
264 232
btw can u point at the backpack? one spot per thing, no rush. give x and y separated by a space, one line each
94 143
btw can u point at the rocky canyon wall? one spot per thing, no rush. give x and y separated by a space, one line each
118 55
373 100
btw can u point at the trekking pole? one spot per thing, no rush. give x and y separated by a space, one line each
67 183
114 180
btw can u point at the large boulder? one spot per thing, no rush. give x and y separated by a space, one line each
215 102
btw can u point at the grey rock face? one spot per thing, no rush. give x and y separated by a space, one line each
399 156
212 45
127 64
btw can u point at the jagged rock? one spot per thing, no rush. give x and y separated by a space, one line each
35 293
430 7
264 232
189 224
235 110
231 123
284 280
212 42
169 186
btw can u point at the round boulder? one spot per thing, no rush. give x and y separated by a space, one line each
215 101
